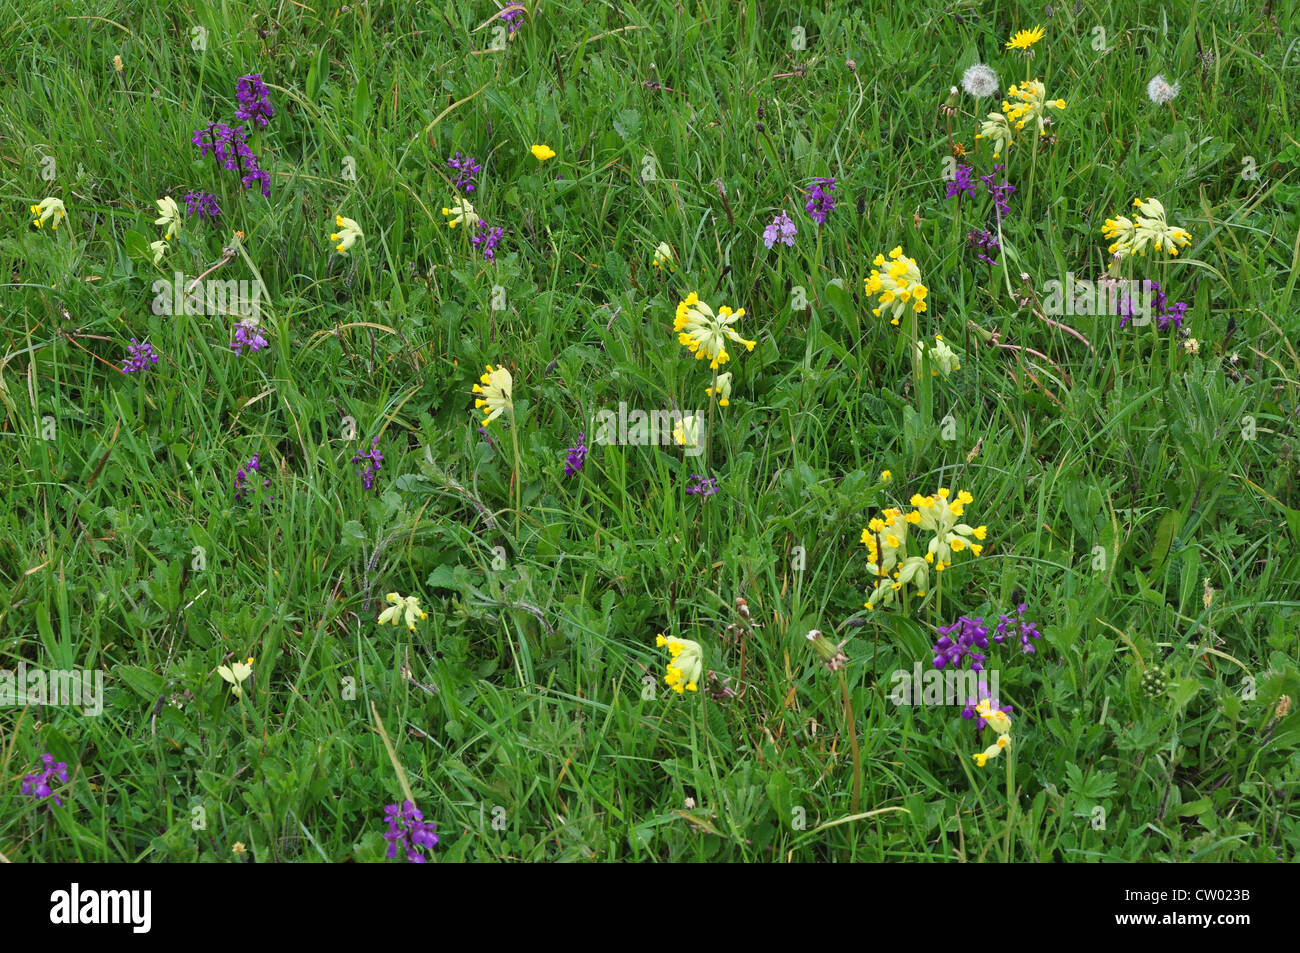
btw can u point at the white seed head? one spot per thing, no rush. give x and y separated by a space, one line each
980 81
1160 91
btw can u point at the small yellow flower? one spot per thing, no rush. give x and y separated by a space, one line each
238 848
686 432
996 128
169 215
49 208
942 358
686 665
886 476
402 605
1024 39
664 256
347 234
236 674
722 391
497 387
460 213
543 152
992 751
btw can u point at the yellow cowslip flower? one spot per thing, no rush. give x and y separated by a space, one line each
169 215
461 213
1030 104
996 128
1131 236
897 285
347 234
1024 39
497 387
49 208
236 674
399 605
992 751
664 256
913 570
942 358
686 432
996 718
543 152
686 665
886 540
704 333
159 249
722 391
939 515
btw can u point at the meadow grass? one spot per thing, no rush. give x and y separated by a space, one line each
1139 498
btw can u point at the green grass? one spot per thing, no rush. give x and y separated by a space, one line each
528 712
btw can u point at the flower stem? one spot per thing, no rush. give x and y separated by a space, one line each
853 745
518 475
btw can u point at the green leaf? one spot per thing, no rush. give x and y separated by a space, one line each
145 683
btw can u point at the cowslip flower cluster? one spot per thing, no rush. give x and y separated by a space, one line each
897 285
497 389
939 515
686 665
721 389
37 783
820 200
461 212
943 359
368 464
408 606
139 357
781 230
1131 236
1000 722
409 831
886 540
1027 102
686 432
704 333
973 704
663 257
996 128
254 100
49 210
347 235
236 674
169 214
